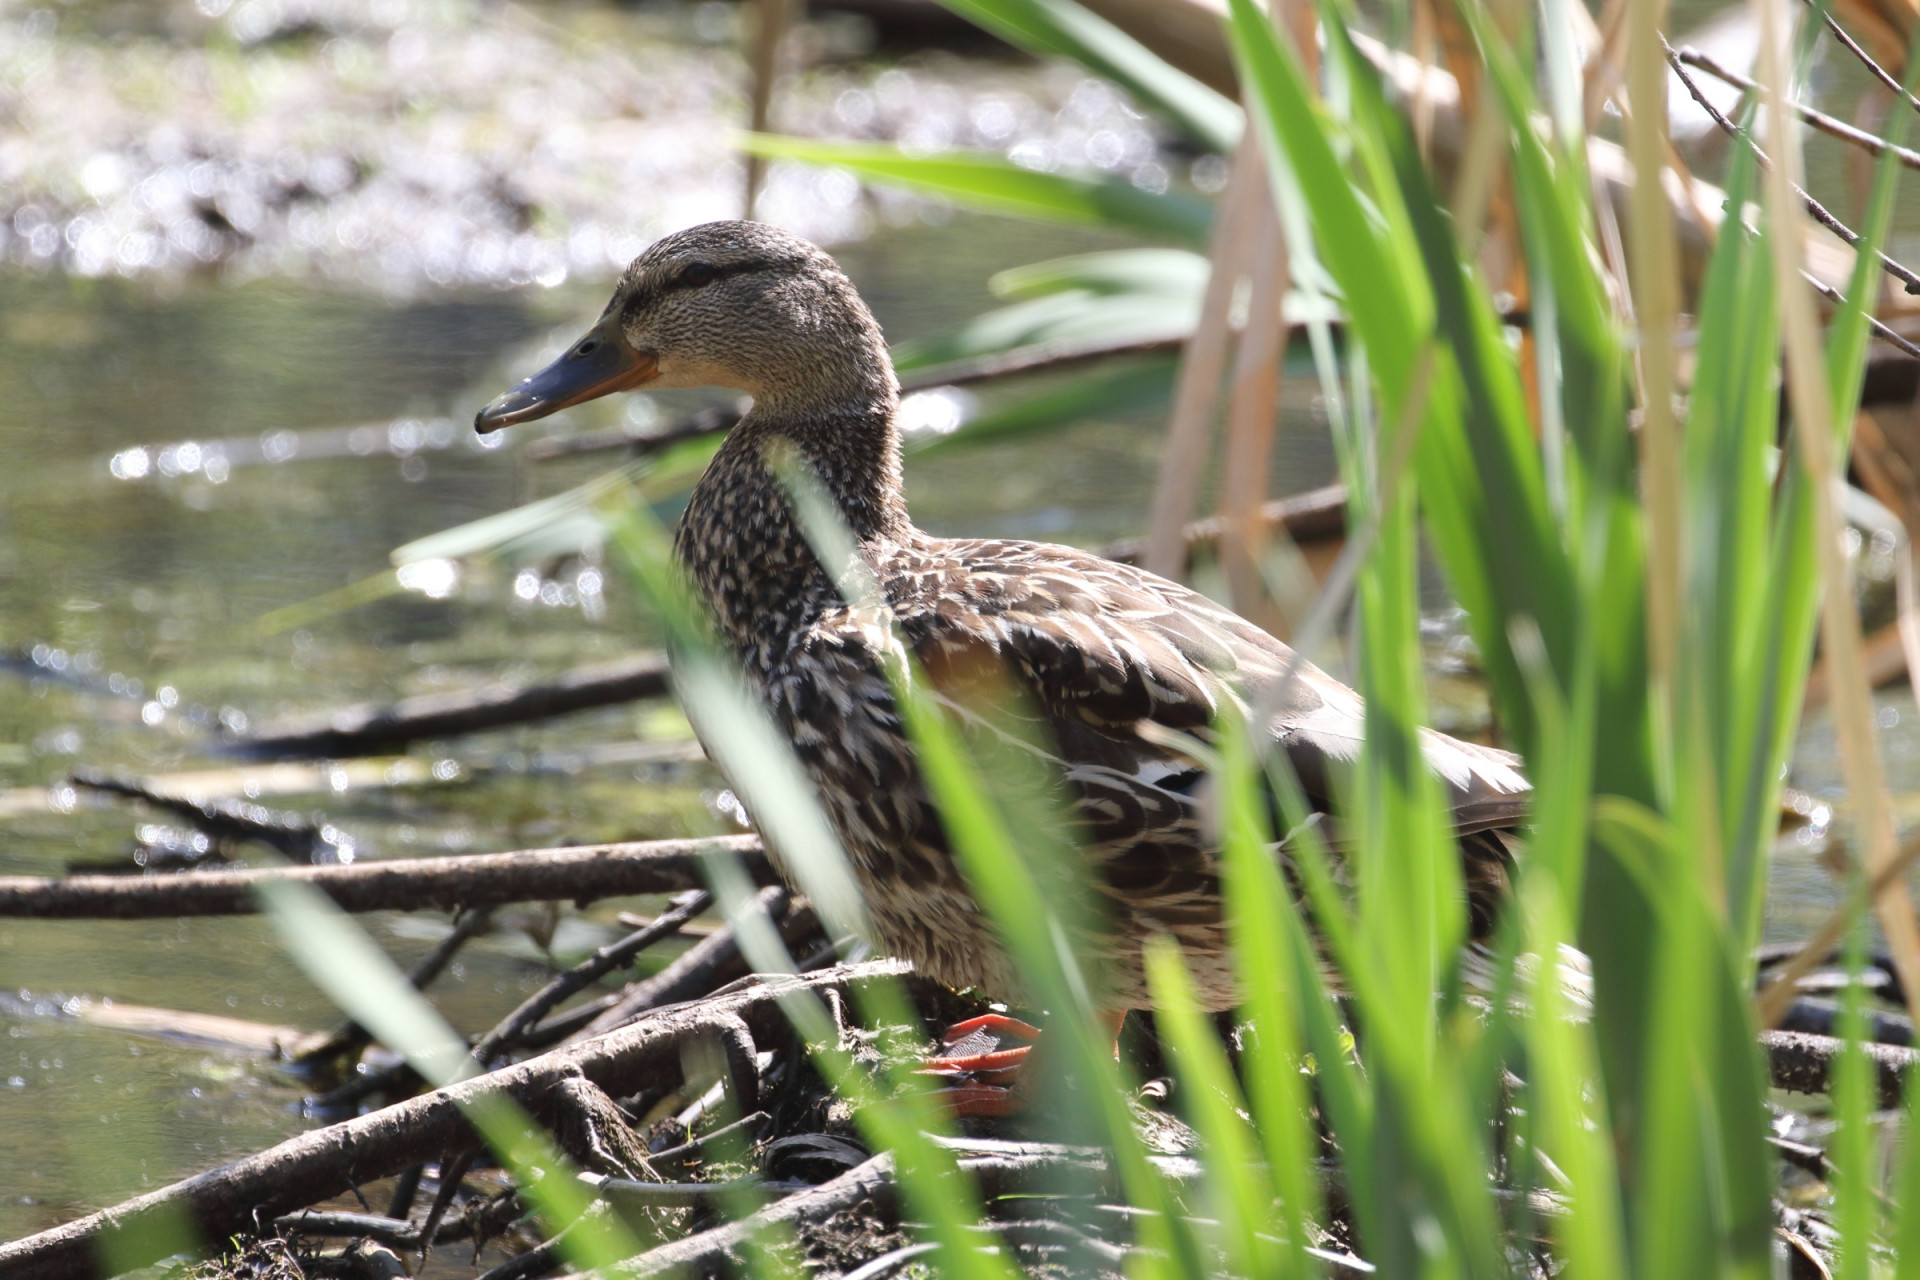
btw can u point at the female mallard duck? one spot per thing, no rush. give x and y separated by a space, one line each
1097 647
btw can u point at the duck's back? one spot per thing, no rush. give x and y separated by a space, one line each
1063 658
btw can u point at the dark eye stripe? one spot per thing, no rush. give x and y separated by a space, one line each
696 275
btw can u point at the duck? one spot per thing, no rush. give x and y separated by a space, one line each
1115 663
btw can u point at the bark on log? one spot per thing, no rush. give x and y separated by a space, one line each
1802 1063
580 875
323 1163
372 729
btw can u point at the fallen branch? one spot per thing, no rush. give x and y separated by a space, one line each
371 729
1803 1063
323 1163
393 1232
579 875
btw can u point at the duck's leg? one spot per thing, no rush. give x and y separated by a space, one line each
1027 1066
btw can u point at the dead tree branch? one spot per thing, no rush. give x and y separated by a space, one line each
371 729
580 875
1815 210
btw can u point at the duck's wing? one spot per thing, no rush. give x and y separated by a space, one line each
1101 647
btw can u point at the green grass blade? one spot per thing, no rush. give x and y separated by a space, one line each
1172 272
1075 318
1259 914
992 184
1906 1225
1237 1182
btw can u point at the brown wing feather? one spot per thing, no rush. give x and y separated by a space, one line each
1105 646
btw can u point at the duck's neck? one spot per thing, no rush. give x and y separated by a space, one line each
739 538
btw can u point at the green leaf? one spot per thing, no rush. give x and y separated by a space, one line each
1067 30
565 522
1174 273
1211 1101
993 184
1077 318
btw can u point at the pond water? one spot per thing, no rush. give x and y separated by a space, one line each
195 471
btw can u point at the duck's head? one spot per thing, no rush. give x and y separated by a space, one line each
725 304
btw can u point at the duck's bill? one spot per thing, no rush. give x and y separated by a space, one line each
597 365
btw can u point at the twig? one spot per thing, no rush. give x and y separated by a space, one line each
537 1261
1872 144
1815 210
697 973
667 1155
1879 72
705 1252
1814 207
581 874
371 729
1834 296
453 1170
322 1163
702 966
1001 1168
602 962
1778 994
291 834
1803 1063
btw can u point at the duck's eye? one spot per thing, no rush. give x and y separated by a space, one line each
695 274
